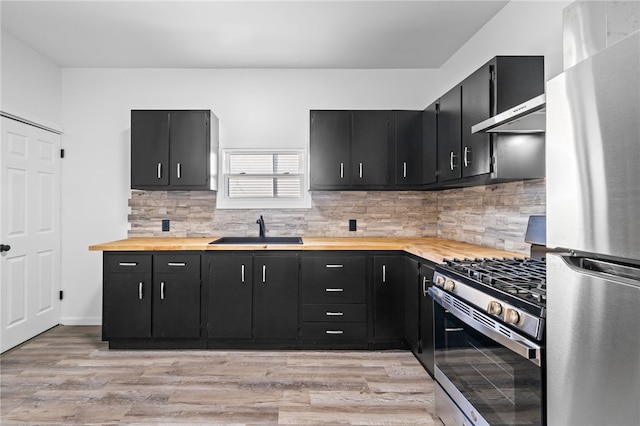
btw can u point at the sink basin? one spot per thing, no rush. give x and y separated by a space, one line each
257 240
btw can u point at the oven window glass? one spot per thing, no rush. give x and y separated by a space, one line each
504 388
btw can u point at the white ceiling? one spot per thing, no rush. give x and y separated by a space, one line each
246 34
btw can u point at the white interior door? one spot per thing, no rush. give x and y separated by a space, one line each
30 226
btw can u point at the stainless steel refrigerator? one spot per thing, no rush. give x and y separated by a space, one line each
593 211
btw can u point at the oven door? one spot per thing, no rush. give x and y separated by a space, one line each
492 375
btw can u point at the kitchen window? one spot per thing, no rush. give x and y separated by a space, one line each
264 179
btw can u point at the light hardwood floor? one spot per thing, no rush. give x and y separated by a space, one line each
68 376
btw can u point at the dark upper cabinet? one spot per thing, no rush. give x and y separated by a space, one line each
408 144
450 135
349 149
500 84
370 148
172 150
329 146
430 143
476 107
230 295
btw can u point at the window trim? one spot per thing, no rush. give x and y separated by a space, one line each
226 202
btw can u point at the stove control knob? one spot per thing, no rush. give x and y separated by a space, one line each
512 316
449 285
440 281
495 308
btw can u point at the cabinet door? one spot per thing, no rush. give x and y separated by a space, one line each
230 296
449 135
176 295
388 283
275 296
426 352
329 143
149 148
476 107
370 148
408 147
189 148
412 304
430 143
126 305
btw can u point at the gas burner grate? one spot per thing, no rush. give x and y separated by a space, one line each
523 278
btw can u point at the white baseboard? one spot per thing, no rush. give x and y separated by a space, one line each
81 321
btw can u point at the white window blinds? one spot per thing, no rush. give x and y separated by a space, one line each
264 175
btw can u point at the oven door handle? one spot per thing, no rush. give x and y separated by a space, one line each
516 343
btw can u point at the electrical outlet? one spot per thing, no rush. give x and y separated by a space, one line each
165 225
352 225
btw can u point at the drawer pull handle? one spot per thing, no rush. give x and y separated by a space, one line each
384 273
334 265
242 272
264 273
162 290
128 264
334 314
454 330
140 290
334 332
334 290
176 264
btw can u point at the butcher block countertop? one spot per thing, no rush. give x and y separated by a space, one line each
433 249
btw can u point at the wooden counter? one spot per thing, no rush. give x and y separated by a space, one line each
433 249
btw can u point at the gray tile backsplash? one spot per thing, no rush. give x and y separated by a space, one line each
494 215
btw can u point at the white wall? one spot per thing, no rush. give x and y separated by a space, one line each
31 84
255 107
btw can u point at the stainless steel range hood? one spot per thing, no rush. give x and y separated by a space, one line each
528 117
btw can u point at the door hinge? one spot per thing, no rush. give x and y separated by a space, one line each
62 153
61 295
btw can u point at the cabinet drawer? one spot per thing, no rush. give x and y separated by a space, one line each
187 264
127 263
333 331
334 312
333 265
338 289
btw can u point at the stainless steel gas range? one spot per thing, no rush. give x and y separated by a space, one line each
489 323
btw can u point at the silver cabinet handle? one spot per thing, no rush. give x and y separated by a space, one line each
264 273
384 273
465 159
177 264
179 170
334 290
329 265
162 290
128 264
341 170
360 170
334 332
334 314
454 330
404 169
424 286
242 273
159 170
140 290
451 157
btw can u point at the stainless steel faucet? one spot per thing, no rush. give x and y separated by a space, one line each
263 228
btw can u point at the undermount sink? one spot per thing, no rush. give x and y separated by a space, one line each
257 240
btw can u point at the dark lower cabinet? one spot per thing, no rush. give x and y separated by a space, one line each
230 295
275 296
151 296
412 304
426 343
388 294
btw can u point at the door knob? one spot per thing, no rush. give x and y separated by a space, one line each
4 247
